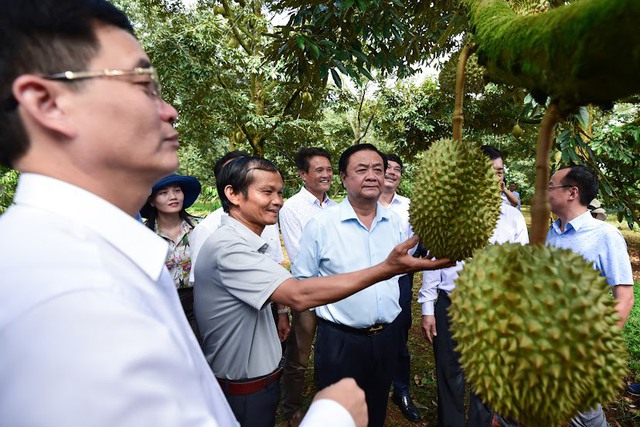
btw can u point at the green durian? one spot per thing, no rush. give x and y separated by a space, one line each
456 205
474 75
537 333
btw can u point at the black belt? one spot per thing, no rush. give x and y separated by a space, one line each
254 385
371 330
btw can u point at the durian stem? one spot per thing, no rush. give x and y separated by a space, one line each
540 208
458 117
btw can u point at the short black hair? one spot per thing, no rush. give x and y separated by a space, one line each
585 179
45 37
394 158
235 154
305 154
239 175
491 152
350 151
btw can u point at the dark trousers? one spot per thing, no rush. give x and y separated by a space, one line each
450 379
186 300
256 409
370 360
303 329
402 372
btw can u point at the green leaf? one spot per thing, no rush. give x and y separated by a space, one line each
583 117
336 78
300 41
347 4
314 49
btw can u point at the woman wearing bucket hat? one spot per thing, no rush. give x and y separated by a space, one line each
166 215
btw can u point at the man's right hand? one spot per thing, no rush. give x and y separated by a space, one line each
401 262
347 393
429 327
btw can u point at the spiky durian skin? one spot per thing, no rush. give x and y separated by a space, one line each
456 201
537 333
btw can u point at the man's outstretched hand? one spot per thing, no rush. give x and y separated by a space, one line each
401 262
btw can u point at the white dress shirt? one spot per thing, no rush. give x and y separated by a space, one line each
510 228
91 329
400 205
206 227
295 213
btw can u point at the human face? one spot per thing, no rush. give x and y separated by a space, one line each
498 167
559 193
364 177
512 187
168 200
263 201
318 179
123 130
392 176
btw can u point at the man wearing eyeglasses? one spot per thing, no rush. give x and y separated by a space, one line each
571 190
91 329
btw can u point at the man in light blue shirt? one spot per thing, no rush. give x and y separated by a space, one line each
570 191
357 336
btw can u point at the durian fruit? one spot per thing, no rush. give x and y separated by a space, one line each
474 75
457 203
537 333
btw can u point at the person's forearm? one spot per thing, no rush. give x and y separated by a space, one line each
624 309
513 199
624 302
317 291
303 294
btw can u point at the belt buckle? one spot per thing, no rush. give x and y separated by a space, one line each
375 329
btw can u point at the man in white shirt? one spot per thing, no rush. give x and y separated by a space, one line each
400 205
314 168
91 328
434 297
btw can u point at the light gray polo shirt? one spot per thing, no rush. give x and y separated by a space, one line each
231 301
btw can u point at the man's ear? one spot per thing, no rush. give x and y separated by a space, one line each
234 198
42 103
574 193
303 175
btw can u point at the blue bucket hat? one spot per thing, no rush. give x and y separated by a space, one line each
190 187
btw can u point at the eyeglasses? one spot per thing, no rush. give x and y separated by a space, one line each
153 83
152 86
553 187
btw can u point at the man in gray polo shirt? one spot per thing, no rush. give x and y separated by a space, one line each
234 289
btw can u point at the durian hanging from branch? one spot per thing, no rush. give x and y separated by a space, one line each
586 52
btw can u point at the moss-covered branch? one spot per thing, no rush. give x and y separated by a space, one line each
540 208
581 53
458 116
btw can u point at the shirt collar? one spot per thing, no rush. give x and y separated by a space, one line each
127 235
347 212
397 199
576 223
306 194
255 242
